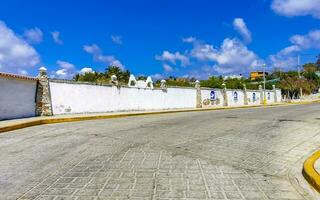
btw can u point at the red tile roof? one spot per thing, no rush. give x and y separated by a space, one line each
2 74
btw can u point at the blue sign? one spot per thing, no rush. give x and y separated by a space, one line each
212 95
235 96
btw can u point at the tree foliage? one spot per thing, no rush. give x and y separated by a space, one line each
180 82
99 77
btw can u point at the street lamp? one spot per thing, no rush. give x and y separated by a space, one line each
264 84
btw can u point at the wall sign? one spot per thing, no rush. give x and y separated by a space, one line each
235 96
212 95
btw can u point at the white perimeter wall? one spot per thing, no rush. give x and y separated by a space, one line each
279 96
270 96
251 100
82 98
17 98
235 102
205 95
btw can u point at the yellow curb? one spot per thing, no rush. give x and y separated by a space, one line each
37 122
309 172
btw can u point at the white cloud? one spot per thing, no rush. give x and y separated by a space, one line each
231 57
15 53
173 58
98 56
241 27
86 70
167 68
116 39
291 8
23 72
289 50
283 62
201 72
56 37
308 41
65 65
109 60
66 71
93 49
189 39
62 73
33 35
287 57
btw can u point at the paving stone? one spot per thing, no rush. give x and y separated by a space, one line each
199 156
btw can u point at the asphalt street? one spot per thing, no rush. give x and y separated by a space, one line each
224 154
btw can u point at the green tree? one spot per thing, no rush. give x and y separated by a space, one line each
234 83
310 67
87 77
122 76
98 77
212 82
181 82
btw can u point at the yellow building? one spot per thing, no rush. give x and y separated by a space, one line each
257 74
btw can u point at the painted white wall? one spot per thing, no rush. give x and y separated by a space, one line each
270 96
279 96
83 98
205 96
17 98
231 98
250 94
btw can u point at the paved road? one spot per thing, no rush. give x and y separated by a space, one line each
231 154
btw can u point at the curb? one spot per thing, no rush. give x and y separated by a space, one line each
38 122
309 173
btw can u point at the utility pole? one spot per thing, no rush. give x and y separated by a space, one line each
264 84
299 66
299 74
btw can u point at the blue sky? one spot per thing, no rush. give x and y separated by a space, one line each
190 38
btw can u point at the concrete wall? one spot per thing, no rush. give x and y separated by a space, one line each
17 98
253 97
83 98
279 96
206 96
22 96
235 97
270 96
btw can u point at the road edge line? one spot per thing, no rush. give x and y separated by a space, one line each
310 173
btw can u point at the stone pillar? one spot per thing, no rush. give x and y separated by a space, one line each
275 93
163 85
224 94
43 98
261 94
245 95
198 90
114 80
